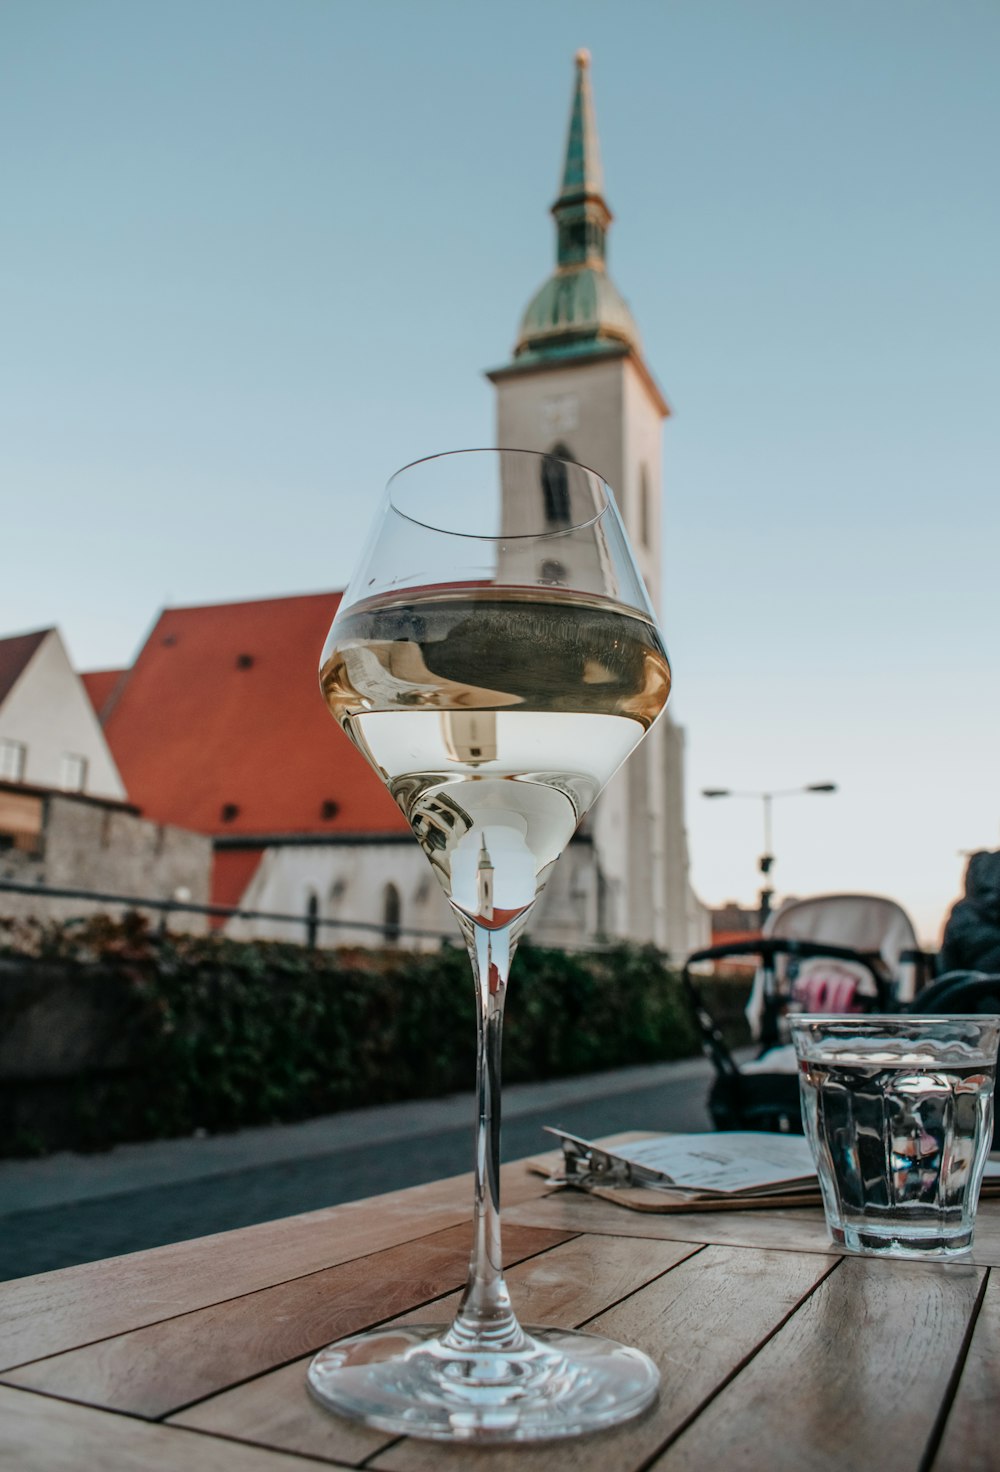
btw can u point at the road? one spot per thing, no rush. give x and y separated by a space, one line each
69 1208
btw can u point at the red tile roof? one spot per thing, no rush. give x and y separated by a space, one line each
232 871
99 685
221 713
15 653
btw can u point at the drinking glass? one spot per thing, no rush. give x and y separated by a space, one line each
495 658
898 1112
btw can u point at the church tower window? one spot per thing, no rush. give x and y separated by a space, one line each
645 528
555 486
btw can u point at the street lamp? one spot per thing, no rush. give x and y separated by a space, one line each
766 861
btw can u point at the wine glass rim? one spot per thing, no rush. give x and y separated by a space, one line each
496 451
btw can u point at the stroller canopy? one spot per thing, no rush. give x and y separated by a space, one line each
867 923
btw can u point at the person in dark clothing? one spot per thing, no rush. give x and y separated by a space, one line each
971 939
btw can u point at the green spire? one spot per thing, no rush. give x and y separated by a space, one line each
582 216
578 309
582 174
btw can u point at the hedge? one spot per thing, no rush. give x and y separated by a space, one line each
225 1034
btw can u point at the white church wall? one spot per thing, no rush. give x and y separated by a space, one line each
578 406
565 913
350 883
689 924
642 434
605 415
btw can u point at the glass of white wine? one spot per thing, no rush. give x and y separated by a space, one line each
495 658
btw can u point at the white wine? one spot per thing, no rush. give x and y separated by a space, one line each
494 716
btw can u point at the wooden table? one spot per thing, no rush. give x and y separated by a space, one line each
776 1352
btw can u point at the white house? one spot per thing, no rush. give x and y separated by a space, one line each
65 821
49 733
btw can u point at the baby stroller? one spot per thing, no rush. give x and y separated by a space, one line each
832 953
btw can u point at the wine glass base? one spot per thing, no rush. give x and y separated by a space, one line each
559 1383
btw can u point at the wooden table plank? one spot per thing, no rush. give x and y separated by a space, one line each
762 1367
854 1379
38 1434
50 1312
794 1229
566 1285
699 1323
971 1439
160 1367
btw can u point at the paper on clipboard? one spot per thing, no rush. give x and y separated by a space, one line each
730 1164
655 1173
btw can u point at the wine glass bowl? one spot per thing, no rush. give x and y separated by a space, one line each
495 659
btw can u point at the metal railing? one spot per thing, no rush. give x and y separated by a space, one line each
311 923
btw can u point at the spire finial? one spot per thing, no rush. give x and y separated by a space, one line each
582 175
580 210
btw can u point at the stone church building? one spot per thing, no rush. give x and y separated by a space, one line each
219 726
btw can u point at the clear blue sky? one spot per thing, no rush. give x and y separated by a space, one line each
255 253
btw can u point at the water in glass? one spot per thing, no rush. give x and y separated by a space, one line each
900 1121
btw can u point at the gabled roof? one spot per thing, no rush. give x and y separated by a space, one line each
99 685
15 654
220 726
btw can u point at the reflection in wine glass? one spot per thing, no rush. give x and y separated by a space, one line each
495 700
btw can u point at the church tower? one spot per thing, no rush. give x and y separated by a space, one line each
578 387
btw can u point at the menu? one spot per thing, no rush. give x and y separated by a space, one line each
728 1163
729 1169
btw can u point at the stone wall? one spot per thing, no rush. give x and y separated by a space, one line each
85 843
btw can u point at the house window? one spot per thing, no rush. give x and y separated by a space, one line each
390 915
552 571
13 756
73 772
555 486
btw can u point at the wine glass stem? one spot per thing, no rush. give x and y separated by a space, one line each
485 1319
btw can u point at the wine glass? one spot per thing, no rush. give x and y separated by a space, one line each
495 658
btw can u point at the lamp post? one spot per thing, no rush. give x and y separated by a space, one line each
766 861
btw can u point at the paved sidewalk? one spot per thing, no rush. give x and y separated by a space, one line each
71 1208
